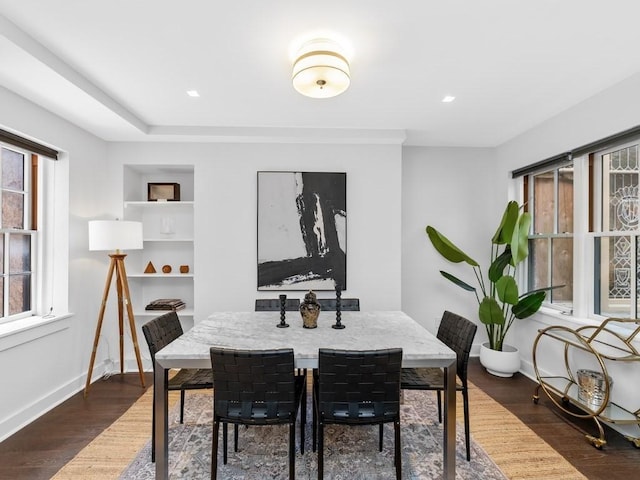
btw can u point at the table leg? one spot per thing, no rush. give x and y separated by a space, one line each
449 461
161 397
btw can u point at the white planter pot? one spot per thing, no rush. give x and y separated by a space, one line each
500 363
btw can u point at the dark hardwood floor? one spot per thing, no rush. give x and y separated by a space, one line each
618 460
40 449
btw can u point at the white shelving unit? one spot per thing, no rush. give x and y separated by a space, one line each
168 229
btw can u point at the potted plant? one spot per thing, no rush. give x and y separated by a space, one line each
499 301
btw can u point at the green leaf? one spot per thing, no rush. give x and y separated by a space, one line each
520 240
496 270
490 312
507 224
507 289
447 249
457 281
528 304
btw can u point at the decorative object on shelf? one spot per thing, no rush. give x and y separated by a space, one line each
302 226
166 268
150 268
338 325
168 192
184 268
114 235
166 304
321 69
592 388
499 300
167 226
283 309
310 309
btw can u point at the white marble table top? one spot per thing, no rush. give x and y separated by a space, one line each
257 330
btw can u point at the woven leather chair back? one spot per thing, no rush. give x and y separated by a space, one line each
161 331
457 333
346 304
359 386
254 386
273 305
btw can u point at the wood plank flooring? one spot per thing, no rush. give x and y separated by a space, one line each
39 450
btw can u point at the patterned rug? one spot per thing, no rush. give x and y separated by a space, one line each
350 452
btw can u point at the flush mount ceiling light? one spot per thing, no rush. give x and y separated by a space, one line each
321 69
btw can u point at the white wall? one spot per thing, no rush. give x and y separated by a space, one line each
45 365
452 190
225 191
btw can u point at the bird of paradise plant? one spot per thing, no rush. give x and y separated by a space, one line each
499 300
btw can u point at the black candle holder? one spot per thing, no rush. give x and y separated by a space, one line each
283 308
338 325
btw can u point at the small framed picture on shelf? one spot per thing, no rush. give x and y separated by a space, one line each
163 192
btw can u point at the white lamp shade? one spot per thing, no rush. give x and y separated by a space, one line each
321 69
115 235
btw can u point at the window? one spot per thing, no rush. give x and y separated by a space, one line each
17 232
550 202
615 219
591 208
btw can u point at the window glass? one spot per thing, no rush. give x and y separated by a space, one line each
16 255
616 256
551 244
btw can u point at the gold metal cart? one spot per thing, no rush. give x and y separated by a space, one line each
607 342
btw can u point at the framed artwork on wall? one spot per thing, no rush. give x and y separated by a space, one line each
302 230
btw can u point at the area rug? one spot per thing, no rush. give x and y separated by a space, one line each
350 452
515 448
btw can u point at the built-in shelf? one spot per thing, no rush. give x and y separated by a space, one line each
168 228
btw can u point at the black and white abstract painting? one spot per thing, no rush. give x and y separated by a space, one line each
302 230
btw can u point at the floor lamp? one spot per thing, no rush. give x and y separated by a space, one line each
116 235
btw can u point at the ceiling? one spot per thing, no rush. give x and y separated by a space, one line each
120 69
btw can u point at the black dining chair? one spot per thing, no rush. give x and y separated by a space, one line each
346 304
457 333
255 387
159 333
357 388
273 305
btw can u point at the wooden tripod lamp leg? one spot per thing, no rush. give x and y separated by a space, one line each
105 296
124 285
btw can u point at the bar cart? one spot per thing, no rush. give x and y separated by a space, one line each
590 390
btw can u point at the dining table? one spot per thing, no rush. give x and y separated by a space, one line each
363 330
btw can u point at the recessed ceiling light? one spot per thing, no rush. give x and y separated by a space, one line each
448 99
193 93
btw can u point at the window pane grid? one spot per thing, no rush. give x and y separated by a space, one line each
551 244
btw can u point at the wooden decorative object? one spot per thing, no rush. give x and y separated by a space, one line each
166 268
150 268
184 268
169 192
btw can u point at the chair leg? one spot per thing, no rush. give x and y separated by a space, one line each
465 406
292 450
153 429
398 450
214 450
439 406
314 423
181 406
320 451
380 436
224 443
235 437
303 412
